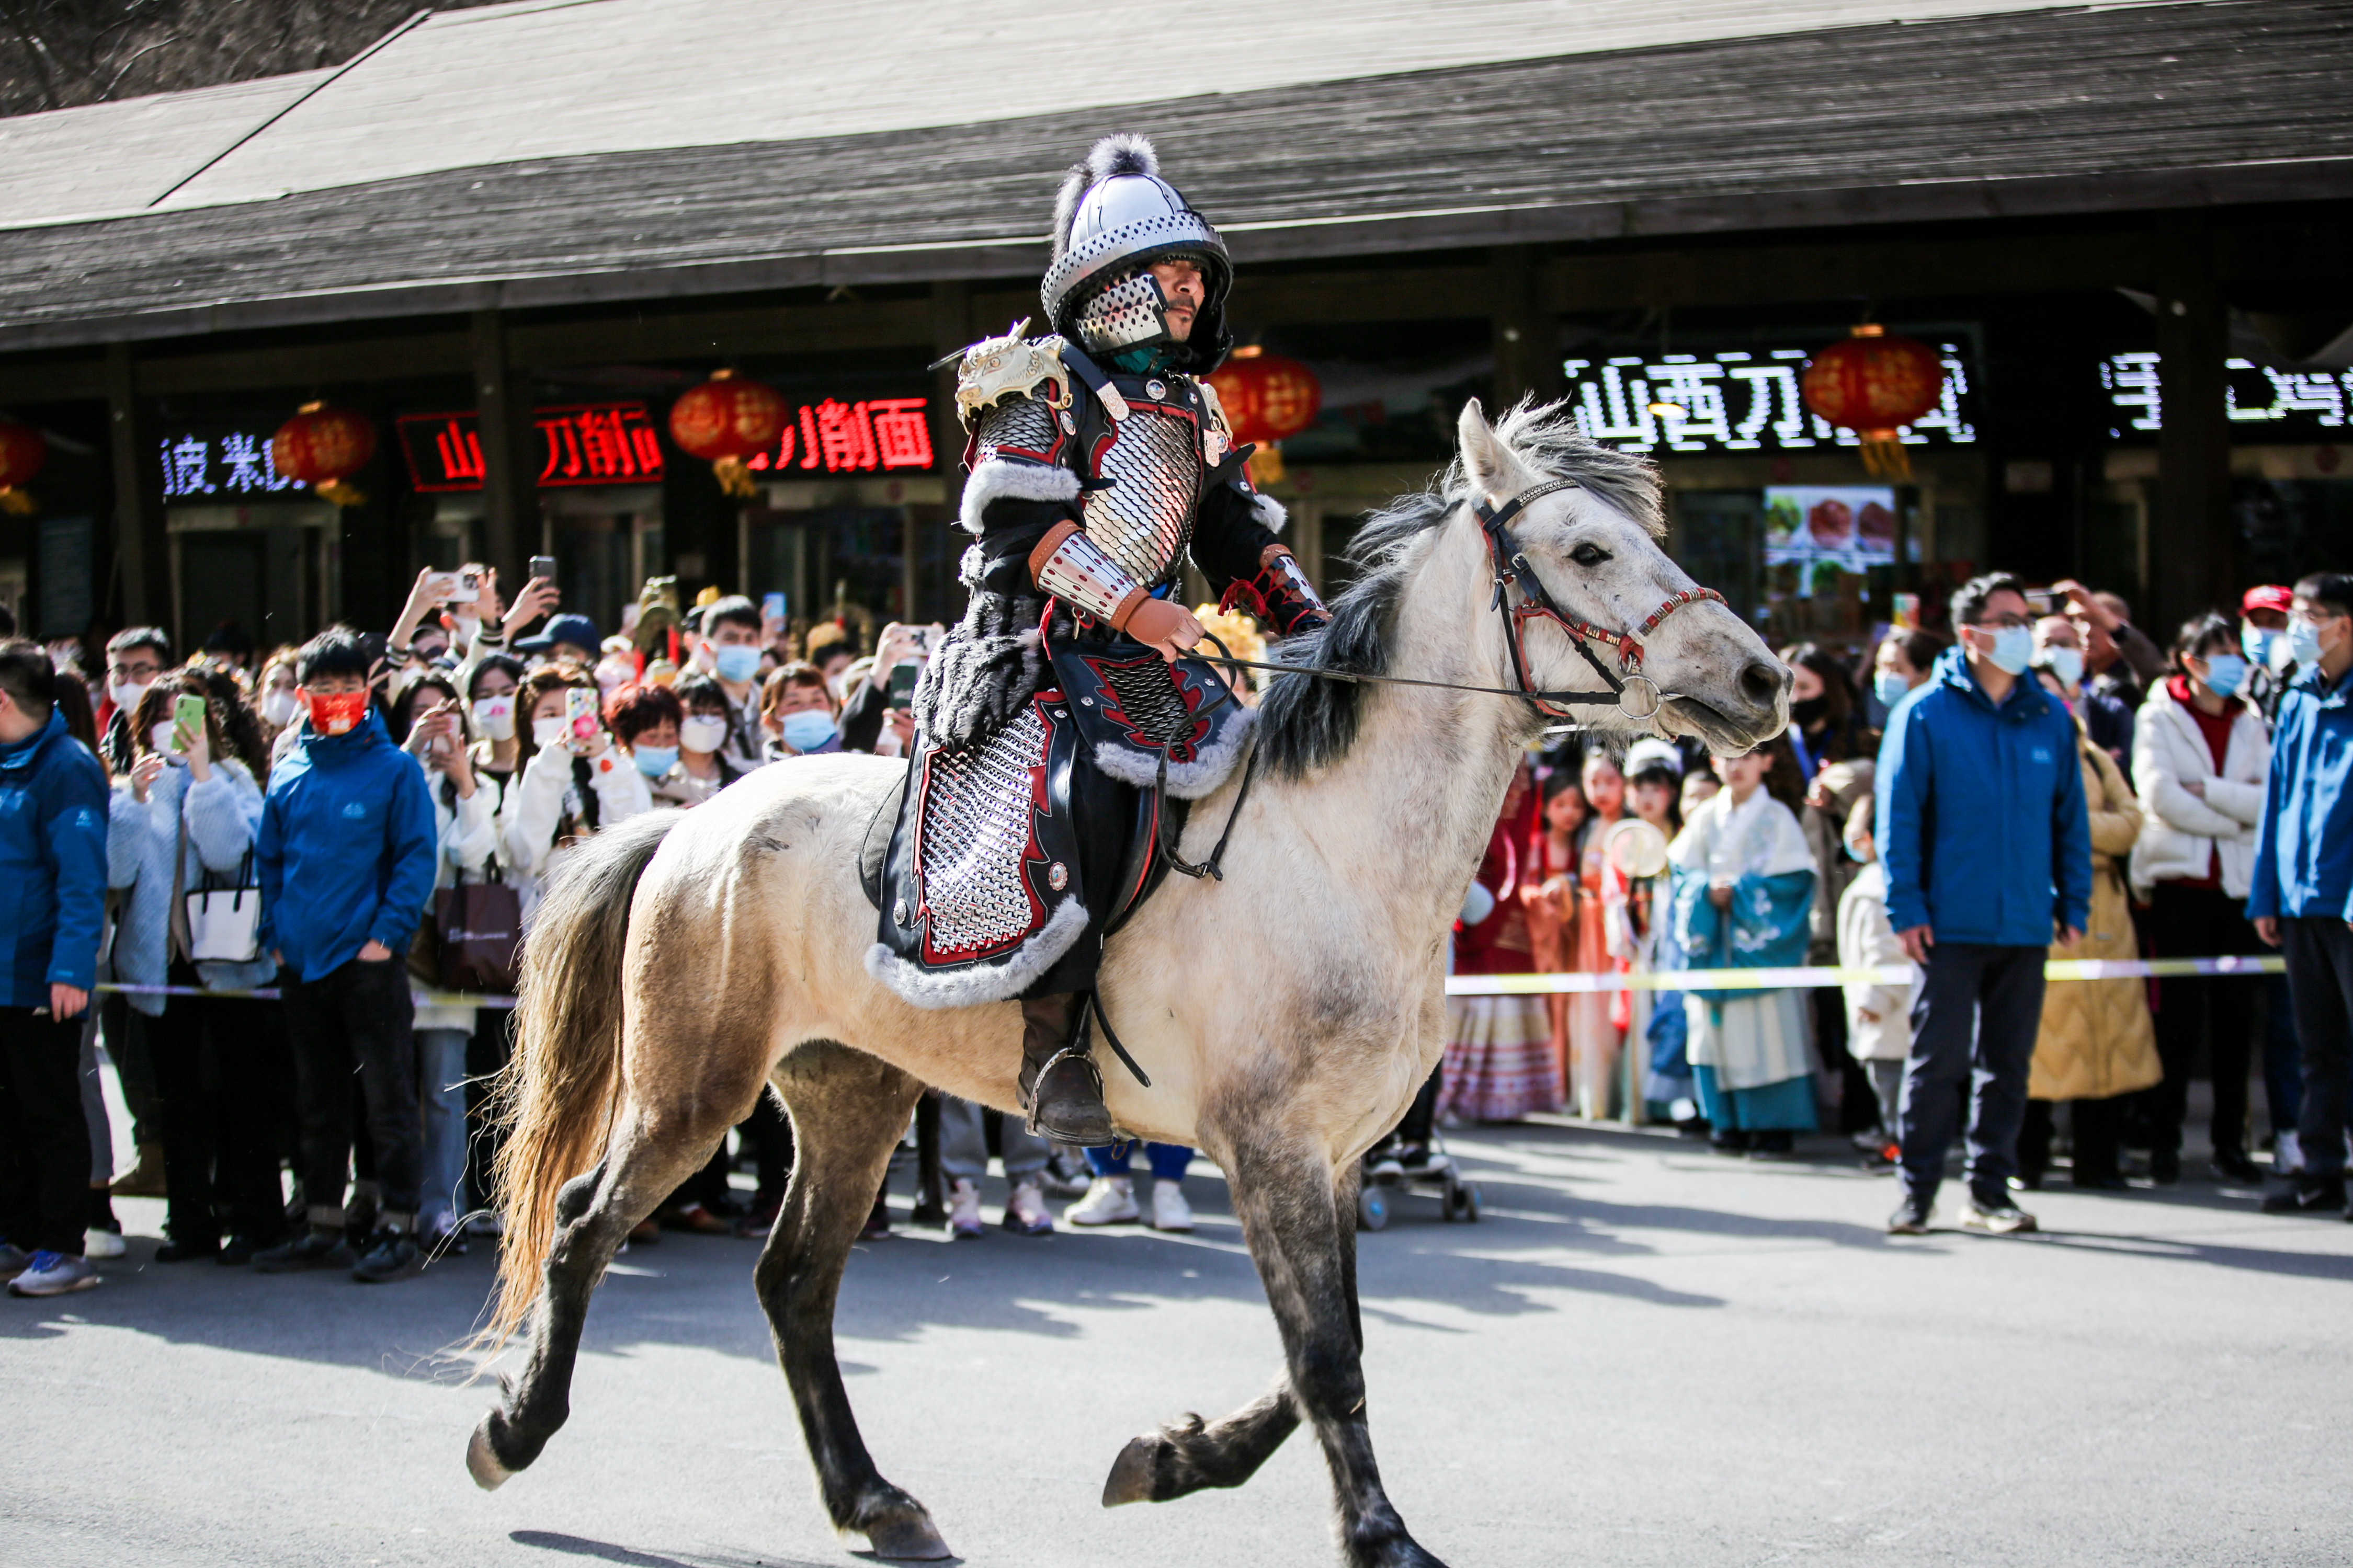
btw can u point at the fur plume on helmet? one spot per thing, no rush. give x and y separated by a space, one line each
1122 152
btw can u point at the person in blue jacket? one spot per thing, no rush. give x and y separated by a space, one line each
1988 850
345 856
2301 894
53 816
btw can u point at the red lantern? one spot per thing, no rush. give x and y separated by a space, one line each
1873 385
22 450
1266 398
322 447
725 420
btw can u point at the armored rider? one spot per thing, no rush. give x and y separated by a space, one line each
1063 719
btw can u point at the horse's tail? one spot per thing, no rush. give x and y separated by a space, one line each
559 1091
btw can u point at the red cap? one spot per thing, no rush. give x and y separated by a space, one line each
2269 596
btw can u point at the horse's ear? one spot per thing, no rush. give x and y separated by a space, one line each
1494 469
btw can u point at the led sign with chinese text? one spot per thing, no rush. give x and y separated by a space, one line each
1735 401
2263 404
836 437
577 444
236 465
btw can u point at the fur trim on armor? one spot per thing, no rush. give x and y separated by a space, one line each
1122 152
985 670
999 479
975 984
1269 513
1187 781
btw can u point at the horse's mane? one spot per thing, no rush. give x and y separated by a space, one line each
1306 723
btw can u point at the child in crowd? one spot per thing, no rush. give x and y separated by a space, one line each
1878 1014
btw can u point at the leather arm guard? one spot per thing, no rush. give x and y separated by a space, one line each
1074 569
1286 600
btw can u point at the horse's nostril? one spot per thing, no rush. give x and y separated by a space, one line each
1762 682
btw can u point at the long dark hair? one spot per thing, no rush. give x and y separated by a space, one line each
72 700
2197 635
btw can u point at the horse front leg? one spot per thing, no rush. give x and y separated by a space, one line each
1299 1216
848 1109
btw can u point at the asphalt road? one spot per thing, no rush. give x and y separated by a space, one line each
1644 1354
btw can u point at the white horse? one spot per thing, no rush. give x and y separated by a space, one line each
1285 1015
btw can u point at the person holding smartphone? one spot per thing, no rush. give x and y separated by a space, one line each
189 807
575 780
728 646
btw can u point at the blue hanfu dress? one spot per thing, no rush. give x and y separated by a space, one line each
1751 1052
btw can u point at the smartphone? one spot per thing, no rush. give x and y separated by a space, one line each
186 710
772 606
2038 601
903 676
542 566
442 588
469 589
921 638
580 707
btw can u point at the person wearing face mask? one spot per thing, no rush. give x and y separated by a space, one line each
1987 848
134 659
798 711
575 782
728 650
2263 644
1879 1015
2059 651
2302 894
2201 756
702 769
274 702
2095 1043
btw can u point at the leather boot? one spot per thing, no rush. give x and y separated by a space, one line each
1059 1086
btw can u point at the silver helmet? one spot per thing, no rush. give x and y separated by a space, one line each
1115 218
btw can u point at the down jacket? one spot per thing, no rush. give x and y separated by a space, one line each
2169 750
2096 1039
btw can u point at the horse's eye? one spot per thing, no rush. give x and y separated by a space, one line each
1588 554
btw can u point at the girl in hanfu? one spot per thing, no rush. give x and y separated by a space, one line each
1744 891
1593 1039
1548 891
1499 1061
1655 1025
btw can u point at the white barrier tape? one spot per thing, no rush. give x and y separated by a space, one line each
271 993
2057 969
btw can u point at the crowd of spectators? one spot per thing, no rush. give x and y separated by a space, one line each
279 896
2047 784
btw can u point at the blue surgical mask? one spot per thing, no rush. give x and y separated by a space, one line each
2257 642
2225 673
807 730
736 663
2066 663
1889 688
655 761
2303 640
2013 650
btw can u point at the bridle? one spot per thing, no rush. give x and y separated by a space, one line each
1634 693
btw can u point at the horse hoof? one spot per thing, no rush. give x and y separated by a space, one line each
1131 1473
907 1538
482 1460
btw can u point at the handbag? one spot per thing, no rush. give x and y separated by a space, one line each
219 924
480 928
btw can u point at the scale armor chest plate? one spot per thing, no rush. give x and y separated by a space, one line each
1144 521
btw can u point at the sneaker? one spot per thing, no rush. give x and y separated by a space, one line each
1417 1159
1169 1209
2324 1197
1068 1175
1025 1211
697 1220
964 1223
1111 1201
2287 1155
2232 1165
189 1251
97 1243
239 1250
391 1255
53 1274
1910 1218
1384 1163
311 1249
13 1260
1995 1219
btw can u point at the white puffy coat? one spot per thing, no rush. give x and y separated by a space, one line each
1866 940
2183 834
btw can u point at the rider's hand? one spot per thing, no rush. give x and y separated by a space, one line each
1166 626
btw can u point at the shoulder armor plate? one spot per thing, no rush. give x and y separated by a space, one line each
1014 366
1216 434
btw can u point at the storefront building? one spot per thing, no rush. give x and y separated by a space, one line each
2127 233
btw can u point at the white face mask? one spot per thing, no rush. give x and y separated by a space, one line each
702 734
495 716
127 693
465 628
549 731
159 739
278 706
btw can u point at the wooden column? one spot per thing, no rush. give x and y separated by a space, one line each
1527 333
141 553
952 329
510 495
2191 551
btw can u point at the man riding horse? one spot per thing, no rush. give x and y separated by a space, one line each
1063 716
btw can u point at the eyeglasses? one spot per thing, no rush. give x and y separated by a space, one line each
2003 623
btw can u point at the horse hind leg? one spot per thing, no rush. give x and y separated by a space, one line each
595 1212
848 1109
